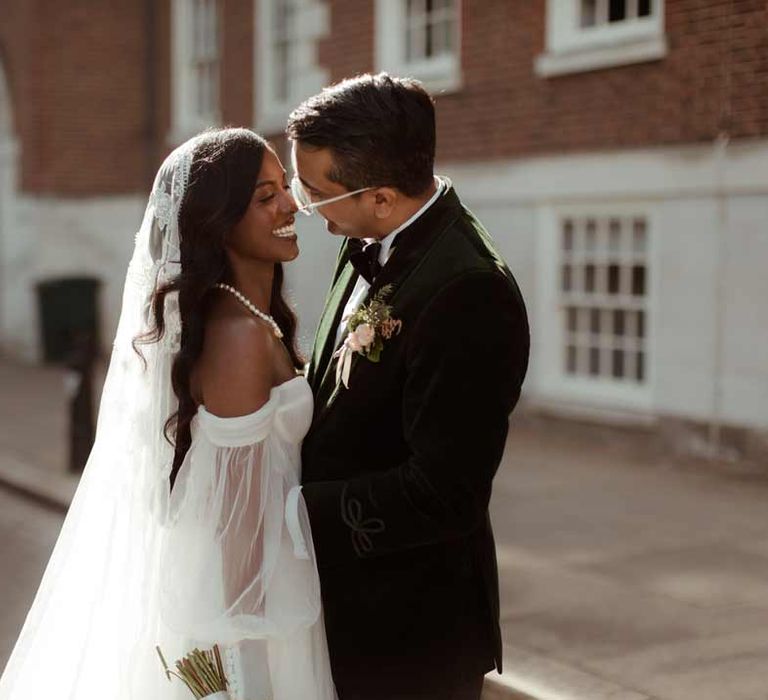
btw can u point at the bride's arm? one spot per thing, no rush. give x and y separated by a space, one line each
235 377
229 552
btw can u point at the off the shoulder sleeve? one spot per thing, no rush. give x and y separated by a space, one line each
235 570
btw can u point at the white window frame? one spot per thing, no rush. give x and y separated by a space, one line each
439 74
17 339
311 23
186 120
557 386
574 49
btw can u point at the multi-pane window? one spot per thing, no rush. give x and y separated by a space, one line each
282 48
431 29
287 67
421 39
593 34
604 292
595 13
204 59
196 65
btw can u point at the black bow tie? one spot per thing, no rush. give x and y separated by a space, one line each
364 256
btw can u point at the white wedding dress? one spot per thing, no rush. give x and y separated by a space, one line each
224 558
239 562
239 565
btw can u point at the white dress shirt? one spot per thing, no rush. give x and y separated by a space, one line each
362 286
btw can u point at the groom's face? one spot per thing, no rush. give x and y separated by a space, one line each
353 216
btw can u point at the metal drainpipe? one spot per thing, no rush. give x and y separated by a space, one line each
721 198
150 81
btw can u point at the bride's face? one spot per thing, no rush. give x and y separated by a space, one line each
266 231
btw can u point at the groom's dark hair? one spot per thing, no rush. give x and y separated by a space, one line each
380 129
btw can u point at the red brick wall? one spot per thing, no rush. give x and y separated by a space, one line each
20 56
78 77
717 63
348 50
90 118
160 90
91 121
237 89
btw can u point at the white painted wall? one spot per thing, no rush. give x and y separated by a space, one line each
709 269
9 253
709 262
686 315
54 237
745 386
309 276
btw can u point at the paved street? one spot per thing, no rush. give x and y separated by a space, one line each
28 532
621 578
625 577
625 574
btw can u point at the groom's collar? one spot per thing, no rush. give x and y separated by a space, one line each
413 245
417 238
441 185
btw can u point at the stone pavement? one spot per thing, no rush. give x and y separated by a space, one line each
625 574
28 531
33 415
34 432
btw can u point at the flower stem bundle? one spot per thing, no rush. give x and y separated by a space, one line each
201 671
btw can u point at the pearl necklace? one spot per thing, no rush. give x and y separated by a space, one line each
248 304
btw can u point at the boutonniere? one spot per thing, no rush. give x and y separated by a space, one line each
368 328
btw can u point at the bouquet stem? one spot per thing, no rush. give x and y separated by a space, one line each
202 672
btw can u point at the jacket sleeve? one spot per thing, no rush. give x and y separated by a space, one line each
465 363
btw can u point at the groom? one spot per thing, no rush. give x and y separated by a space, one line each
398 463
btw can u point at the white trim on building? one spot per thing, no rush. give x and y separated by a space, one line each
12 245
706 325
581 35
597 332
286 67
196 67
56 237
420 39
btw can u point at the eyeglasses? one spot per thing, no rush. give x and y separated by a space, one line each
307 206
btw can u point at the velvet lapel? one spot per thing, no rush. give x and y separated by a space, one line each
412 245
329 322
414 242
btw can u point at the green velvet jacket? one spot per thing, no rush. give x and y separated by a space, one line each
397 468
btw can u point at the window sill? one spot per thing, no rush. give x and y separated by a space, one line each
180 133
435 80
445 85
598 393
274 118
589 58
636 413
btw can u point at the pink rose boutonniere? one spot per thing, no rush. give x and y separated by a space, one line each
368 328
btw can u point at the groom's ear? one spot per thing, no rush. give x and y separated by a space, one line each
385 199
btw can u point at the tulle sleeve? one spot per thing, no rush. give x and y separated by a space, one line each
234 568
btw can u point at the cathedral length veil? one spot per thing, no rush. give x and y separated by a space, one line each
92 629
119 572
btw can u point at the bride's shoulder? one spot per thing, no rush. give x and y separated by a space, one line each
237 333
234 370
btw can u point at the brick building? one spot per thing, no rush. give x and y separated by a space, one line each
616 149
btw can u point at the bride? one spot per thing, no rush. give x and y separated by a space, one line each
184 530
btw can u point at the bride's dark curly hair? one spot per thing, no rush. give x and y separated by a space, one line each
225 168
